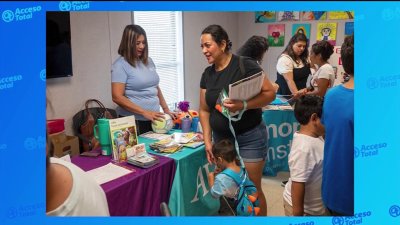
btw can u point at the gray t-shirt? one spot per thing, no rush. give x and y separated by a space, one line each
140 85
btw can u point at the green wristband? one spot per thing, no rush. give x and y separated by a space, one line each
244 105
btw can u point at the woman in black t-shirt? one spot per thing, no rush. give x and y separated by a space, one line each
251 133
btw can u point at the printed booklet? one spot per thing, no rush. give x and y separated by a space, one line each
243 89
123 136
138 156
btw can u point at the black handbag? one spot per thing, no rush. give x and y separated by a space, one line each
84 121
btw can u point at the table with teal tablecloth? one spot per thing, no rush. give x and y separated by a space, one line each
190 193
281 125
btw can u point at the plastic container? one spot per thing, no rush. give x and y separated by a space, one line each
55 126
186 124
195 123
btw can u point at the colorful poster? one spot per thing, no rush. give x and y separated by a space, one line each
304 28
348 28
336 63
276 35
313 15
265 16
327 32
340 15
288 16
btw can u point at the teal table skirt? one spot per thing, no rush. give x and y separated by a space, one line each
281 125
190 193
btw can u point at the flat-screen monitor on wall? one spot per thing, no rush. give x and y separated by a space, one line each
58 45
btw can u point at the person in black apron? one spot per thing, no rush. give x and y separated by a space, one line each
297 52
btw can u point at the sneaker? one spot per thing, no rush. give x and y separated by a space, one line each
283 184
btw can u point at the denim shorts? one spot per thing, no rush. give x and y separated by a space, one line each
253 144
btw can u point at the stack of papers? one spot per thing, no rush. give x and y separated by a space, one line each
155 136
184 138
108 173
143 160
167 145
194 144
278 107
247 88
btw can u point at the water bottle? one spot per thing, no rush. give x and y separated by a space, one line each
186 124
195 123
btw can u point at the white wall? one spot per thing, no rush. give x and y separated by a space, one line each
95 38
247 28
195 62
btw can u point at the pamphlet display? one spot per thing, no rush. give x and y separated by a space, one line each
123 136
139 157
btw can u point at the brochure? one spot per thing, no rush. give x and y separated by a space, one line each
123 136
194 144
184 138
154 136
143 160
243 89
167 145
247 88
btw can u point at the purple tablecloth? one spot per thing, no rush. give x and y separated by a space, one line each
136 194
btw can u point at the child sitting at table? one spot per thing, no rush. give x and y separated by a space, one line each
231 181
302 194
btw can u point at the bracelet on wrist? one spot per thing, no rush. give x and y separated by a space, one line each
244 105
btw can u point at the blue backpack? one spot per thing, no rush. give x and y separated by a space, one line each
246 202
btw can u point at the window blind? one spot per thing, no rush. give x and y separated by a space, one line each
164 37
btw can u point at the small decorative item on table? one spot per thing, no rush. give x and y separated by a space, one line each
185 114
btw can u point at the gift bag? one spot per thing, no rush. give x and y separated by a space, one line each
84 121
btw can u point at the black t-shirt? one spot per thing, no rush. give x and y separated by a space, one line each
214 81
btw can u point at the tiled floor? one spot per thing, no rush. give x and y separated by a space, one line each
273 190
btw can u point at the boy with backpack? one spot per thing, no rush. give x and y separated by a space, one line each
231 181
302 194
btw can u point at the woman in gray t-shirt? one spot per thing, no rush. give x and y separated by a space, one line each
135 82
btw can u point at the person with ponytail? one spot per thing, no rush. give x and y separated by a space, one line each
324 77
